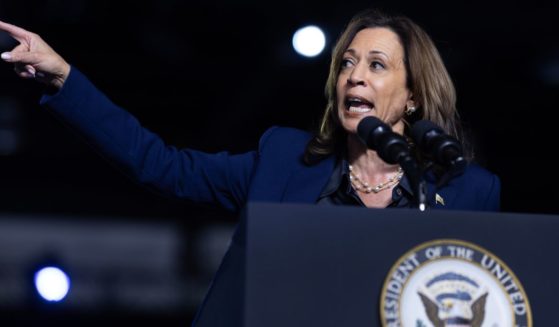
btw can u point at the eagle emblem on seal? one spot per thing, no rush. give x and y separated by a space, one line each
454 300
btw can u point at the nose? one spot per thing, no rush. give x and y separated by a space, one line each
357 75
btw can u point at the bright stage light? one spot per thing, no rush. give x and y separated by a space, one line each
309 41
52 284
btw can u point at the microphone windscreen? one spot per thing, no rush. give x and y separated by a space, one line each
421 128
365 127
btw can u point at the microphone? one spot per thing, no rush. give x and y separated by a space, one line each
393 148
445 149
375 134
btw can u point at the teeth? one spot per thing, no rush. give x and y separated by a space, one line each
359 109
350 101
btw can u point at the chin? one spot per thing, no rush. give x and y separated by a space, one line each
349 122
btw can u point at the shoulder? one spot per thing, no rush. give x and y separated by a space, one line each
479 177
476 189
284 139
283 148
279 134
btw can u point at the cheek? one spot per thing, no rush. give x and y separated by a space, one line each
392 98
339 90
339 98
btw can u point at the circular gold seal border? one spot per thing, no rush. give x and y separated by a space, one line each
427 244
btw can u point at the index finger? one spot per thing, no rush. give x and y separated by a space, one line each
16 32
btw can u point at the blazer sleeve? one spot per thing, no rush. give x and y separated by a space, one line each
219 178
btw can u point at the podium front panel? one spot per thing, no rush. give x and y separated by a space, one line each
325 265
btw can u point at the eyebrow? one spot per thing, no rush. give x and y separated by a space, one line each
353 52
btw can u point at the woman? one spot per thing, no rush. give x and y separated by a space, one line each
382 66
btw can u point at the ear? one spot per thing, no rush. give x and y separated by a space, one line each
410 107
410 102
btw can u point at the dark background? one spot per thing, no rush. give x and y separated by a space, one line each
214 75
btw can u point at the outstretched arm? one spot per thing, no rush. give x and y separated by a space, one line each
200 177
34 58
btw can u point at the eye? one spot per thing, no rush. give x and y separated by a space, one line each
346 63
377 65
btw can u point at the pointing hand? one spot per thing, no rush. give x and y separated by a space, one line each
34 58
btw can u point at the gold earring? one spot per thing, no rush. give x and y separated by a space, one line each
410 110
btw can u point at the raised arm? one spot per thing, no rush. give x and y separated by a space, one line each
33 58
219 178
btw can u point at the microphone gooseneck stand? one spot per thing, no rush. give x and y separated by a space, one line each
415 176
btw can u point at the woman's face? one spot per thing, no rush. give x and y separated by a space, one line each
372 80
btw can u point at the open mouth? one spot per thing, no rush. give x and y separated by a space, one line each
358 105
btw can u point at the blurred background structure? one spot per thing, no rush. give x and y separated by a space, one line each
214 75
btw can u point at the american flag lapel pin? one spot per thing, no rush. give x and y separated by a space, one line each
439 199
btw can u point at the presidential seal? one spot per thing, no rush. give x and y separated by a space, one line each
452 283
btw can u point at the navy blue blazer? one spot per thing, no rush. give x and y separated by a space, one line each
273 173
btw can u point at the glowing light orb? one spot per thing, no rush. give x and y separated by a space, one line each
52 284
309 41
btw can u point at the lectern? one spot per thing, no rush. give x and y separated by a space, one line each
308 265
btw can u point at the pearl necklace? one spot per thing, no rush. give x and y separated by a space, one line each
364 187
